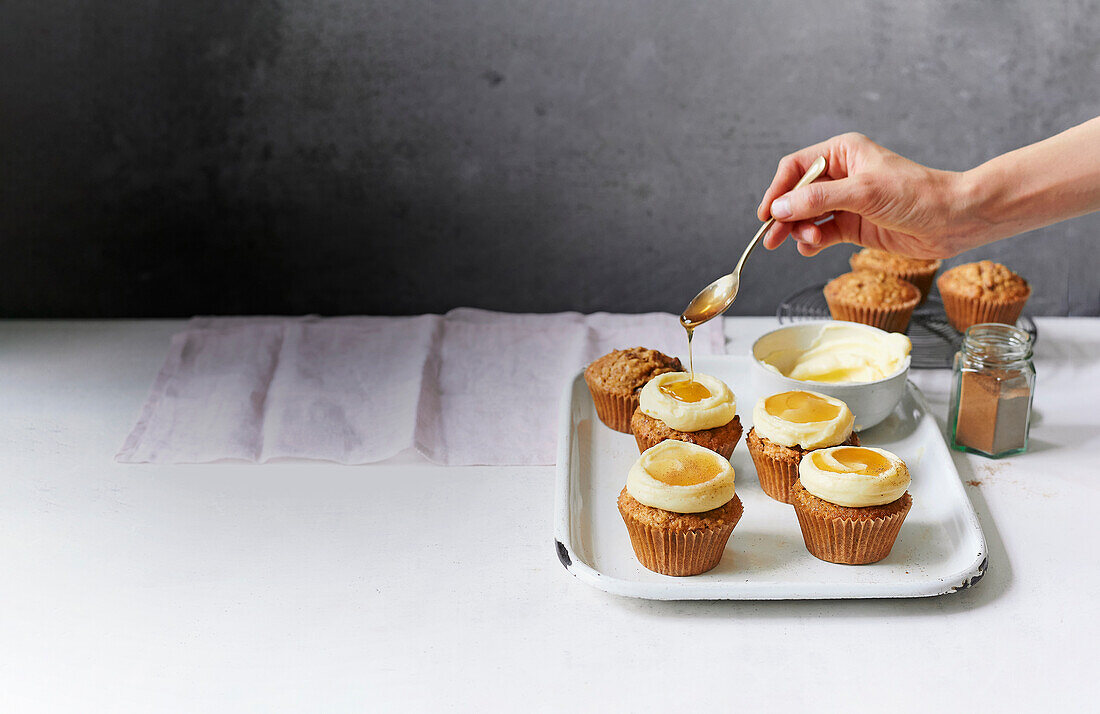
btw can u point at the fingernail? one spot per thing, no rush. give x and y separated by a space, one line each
808 240
781 207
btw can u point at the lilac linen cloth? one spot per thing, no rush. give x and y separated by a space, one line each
468 387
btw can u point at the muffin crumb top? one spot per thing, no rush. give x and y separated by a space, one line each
800 497
725 516
627 371
875 259
788 454
984 280
873 289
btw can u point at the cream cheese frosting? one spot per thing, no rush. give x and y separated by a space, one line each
790 419
681 477
844 354
854 476
707 413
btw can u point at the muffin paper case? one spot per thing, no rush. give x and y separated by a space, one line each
614 411
889 319
963 312
679 553
849 541
921 280
776 477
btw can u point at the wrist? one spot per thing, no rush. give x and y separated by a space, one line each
976 211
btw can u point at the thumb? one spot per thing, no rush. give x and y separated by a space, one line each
817 199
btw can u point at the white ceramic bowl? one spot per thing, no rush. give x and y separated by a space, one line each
870 402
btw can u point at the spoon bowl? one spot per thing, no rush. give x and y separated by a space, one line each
717 297
711 301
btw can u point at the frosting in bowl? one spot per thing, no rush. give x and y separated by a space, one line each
681 477
843 354
809 420
659 399
854 476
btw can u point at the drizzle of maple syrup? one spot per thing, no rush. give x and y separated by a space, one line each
854 460
800 407
681 470
687 390
691 359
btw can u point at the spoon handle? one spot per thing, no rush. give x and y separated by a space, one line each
815 170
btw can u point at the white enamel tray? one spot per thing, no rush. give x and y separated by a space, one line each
940 549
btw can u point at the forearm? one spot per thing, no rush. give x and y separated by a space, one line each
1049 181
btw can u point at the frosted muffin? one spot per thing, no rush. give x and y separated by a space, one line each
788 425
703 412
851 502
872 298
680 507
975 293
615 380
918 271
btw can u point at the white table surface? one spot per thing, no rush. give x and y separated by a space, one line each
405 586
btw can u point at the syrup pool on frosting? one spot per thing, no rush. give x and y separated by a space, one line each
680 470
853 460
800 407
686 390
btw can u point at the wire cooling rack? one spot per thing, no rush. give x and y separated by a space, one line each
935 341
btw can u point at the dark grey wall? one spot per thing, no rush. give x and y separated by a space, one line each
170 158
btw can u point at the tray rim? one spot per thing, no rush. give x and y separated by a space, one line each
685 589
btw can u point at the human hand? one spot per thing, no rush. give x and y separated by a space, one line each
875 198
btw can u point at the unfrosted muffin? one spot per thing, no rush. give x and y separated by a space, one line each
787 426
705 414
615 379
680 507
918 271
975 293
850 502
872 298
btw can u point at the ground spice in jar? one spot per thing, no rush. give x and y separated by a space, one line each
994 382
993 411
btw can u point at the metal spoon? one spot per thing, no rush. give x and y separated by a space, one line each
716 298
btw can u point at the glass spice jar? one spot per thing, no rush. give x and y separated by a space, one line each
994 380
